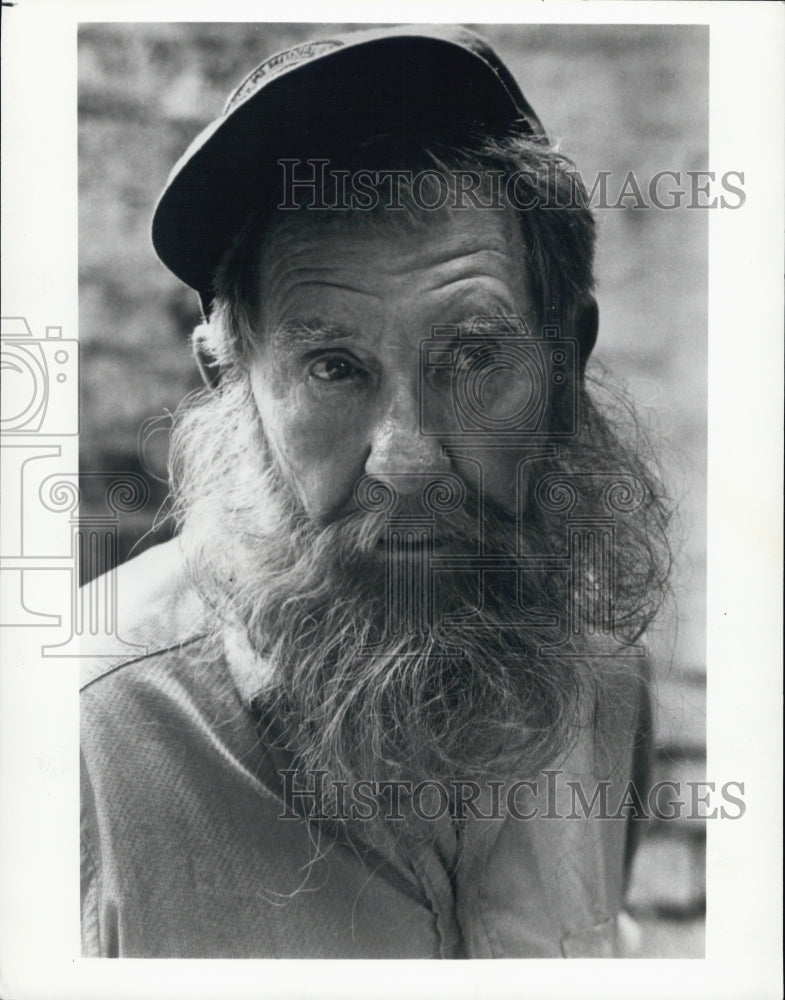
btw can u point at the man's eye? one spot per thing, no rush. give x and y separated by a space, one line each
333 369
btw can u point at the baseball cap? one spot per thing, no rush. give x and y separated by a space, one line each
404 80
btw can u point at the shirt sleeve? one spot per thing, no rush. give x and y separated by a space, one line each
90 866
91 940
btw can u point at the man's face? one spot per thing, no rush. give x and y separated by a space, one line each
336 377
455 685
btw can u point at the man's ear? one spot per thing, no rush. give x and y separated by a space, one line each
209 368
585 324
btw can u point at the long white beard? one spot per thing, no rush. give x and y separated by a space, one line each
461 693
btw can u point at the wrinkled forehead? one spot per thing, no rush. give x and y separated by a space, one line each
407 268
385 249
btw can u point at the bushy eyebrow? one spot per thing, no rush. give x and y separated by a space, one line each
308 333
498 325
305 333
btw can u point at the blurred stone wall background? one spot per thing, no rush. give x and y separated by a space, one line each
619 98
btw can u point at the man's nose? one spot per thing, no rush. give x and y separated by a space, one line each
399 449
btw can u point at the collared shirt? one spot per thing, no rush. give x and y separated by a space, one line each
187 850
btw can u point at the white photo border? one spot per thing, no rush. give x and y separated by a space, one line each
39 921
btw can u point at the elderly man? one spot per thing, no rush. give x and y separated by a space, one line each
390 698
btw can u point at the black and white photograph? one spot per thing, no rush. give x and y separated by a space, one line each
378 516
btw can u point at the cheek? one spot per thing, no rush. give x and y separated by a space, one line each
320 453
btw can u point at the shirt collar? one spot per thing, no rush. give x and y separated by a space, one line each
249 670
